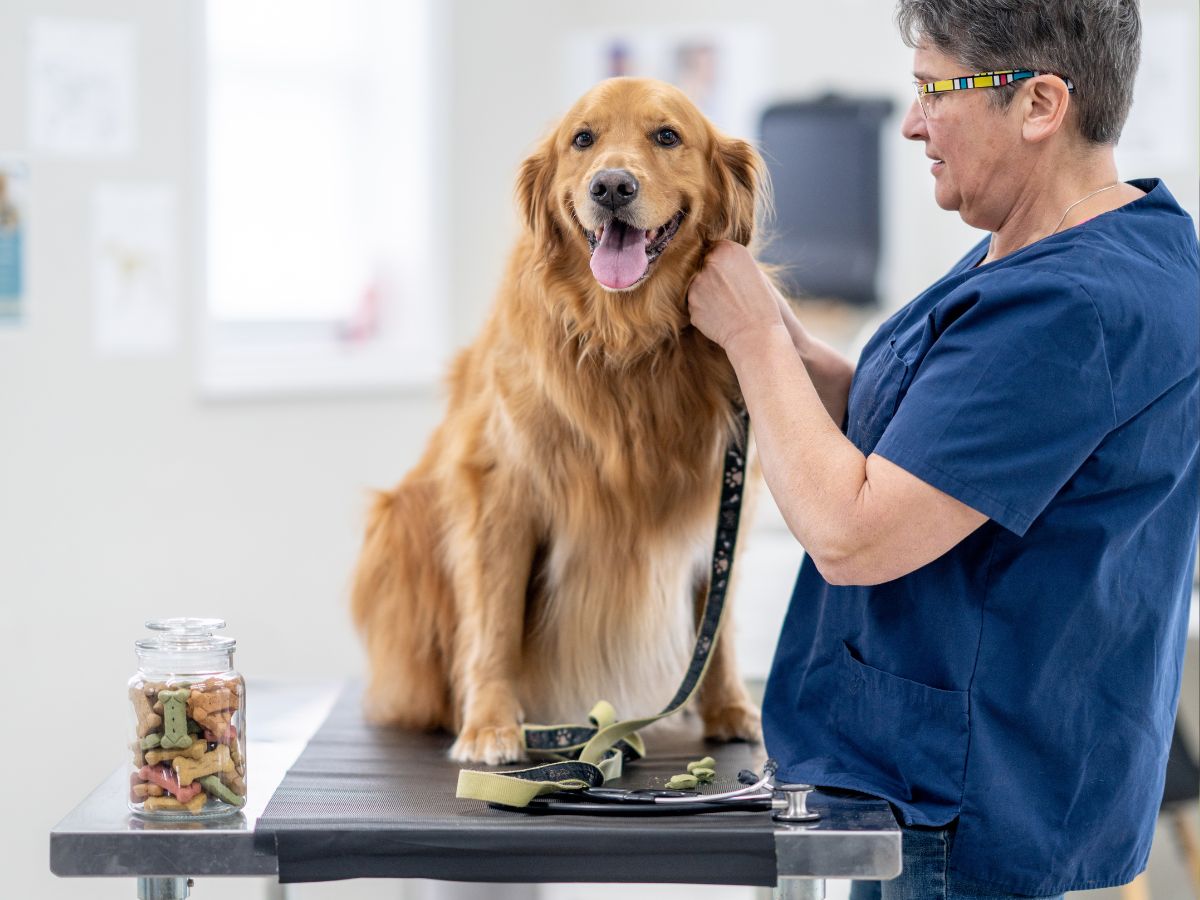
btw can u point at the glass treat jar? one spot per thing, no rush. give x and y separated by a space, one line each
188 752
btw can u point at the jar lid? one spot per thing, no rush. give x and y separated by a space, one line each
183 634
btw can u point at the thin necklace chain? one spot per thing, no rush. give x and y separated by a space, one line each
1109 187
1080 200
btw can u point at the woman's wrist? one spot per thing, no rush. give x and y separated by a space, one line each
755 342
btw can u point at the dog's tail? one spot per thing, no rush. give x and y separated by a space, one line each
402 603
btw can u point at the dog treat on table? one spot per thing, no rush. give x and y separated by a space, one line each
706 763
704 769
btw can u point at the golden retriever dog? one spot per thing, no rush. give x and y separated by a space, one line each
552 546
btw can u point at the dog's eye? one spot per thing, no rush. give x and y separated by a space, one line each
584 139
666 137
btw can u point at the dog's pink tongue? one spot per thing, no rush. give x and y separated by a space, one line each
620 259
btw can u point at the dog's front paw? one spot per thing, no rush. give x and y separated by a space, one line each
735 722
490 744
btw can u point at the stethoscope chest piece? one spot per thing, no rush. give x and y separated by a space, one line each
797 804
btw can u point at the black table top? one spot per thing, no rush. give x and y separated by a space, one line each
367 800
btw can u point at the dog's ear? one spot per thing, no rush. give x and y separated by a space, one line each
740 179
535 194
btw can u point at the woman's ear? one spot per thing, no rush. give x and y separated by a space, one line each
1045 107
740 182
535 194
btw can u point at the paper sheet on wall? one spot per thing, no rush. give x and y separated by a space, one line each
14 212
82 87
135 290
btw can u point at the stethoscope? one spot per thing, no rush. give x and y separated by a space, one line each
759 795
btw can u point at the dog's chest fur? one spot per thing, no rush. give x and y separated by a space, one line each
628 518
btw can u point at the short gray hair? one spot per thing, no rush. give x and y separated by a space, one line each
1096 43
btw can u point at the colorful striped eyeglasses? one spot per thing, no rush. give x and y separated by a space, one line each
927 91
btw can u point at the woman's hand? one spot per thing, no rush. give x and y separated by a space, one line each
731 300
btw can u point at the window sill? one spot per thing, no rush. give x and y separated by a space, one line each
316 370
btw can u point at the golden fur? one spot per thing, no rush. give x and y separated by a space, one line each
550 547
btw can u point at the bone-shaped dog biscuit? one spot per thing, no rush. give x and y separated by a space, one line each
216 789
217 724
164 804
211 763
147 720
176 735
140 789
154 757
139 792
235 780
212 701
213 709
168 781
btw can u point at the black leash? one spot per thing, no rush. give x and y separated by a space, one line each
588 755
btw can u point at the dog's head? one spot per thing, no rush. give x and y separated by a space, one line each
634 183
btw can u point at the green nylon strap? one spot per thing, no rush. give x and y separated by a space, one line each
493 787
588 756
567 741
519 787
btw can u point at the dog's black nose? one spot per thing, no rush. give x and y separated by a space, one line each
614 187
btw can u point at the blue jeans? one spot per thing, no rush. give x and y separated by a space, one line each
927 875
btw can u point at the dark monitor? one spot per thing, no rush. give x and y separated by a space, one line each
824 160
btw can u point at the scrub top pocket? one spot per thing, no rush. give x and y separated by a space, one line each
911 735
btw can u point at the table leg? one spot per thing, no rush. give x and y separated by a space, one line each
164 888
800 889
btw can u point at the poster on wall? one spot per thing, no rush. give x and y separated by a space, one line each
722 68
14 206
82 87
135 291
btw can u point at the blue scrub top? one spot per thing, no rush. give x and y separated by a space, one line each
1026 681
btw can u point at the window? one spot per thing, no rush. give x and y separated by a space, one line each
321 231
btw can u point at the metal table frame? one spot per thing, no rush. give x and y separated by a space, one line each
102 838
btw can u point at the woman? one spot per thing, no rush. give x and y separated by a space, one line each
988 629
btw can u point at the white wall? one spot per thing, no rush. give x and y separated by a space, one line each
123 495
